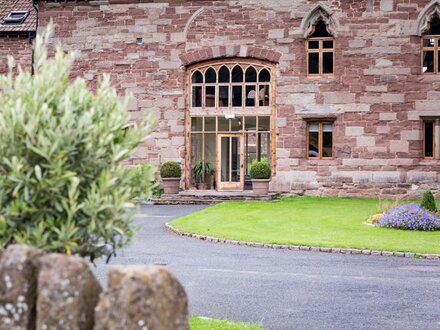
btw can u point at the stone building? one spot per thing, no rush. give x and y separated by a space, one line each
342 97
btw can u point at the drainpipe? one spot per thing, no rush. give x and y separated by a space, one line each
32 35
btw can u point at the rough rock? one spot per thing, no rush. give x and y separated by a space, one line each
142 298
67 293
18 287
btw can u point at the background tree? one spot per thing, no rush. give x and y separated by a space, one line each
62 184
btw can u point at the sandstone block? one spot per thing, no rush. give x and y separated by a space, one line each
142 298
399 146
354 130
67 293
18 287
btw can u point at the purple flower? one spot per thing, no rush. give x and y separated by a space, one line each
410 217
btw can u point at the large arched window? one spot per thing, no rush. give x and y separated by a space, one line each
230 85
431 47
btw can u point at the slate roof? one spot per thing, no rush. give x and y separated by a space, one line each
30 23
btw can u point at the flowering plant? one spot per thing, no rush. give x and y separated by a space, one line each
410 217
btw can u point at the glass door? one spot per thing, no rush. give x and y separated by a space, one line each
230 169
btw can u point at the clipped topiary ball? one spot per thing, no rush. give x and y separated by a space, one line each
260 169
170 169
428 201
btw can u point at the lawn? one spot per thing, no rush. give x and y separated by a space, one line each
198 323
311 221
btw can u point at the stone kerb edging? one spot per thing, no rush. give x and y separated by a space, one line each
304 247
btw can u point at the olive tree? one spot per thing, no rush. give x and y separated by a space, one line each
63 187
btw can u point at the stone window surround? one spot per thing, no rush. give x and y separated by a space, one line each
436 121
321 120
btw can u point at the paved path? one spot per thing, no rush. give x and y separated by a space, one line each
289 289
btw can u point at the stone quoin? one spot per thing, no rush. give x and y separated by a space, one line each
342 97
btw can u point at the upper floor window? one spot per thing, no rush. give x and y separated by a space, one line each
430 47
231 85
320 46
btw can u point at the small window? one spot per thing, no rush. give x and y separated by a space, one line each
430 48
319 140
16 17
320 47
428 140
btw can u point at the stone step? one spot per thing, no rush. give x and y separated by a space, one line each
209 198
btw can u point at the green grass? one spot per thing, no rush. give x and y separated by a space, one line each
197 323
312 221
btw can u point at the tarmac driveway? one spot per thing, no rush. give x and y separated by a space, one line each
283 289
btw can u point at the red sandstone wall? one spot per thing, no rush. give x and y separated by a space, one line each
377 93
19 48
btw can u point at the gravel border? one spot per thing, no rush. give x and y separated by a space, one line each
304 247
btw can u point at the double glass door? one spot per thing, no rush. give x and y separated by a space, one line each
230 162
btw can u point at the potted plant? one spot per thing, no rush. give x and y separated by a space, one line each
202 172
260 175
170 172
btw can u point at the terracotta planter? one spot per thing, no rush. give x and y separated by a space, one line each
260 186
171 185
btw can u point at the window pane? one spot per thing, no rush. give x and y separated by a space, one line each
428 42
264 146
197 96
434 26
225 140
327 44
327 63
250 96
223 96
237 96
250 149
209 124
223 75
197 78
264 95
237 124
264 124
196 149
313 140
210 150
313 44
250 123
327 141
264 76
429 139
237 74
251 74
313 63
196 124
210 96
210 76
223 124
320 30
428 61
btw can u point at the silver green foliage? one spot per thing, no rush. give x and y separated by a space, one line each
62 184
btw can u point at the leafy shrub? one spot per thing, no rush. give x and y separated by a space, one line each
428 202
260 169
62 185
410 217
170 169
143 181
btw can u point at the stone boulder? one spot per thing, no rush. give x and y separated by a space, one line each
67 293
18 287
142 298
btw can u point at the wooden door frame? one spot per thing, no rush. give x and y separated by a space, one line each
229 185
